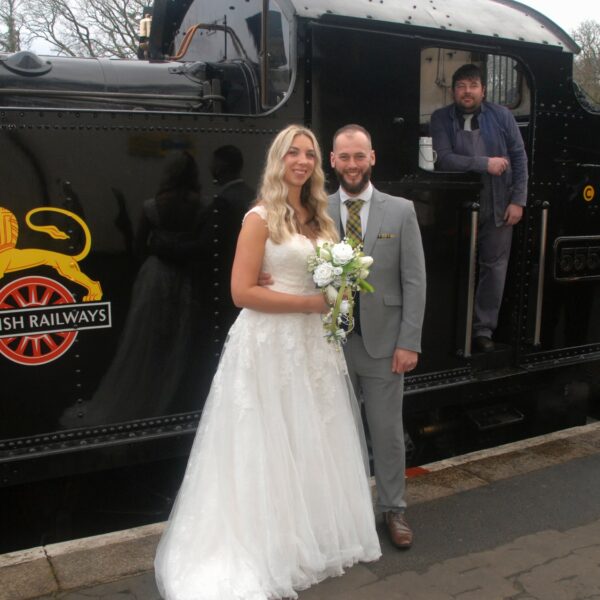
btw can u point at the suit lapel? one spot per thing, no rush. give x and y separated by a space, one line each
376 213
334 212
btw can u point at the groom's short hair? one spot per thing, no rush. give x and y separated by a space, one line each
351 128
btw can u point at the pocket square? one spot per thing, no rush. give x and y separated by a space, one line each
386 236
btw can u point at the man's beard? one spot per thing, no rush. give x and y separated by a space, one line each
468 110
358 187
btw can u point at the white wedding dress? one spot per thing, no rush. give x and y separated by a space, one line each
275 497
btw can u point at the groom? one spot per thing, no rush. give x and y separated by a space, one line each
387 335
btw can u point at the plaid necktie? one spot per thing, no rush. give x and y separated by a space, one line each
353 224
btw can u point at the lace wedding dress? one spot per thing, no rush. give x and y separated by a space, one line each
275 496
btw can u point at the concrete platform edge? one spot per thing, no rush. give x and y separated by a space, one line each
74 564
78 563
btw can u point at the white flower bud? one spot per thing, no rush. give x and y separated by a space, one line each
324 253
331 294
344 307
366 261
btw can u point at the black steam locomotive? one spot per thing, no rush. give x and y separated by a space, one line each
109 338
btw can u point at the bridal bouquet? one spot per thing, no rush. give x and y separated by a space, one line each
339 270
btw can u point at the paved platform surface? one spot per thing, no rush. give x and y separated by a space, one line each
520 522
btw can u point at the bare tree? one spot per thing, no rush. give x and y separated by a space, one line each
11 24
93 28
586 69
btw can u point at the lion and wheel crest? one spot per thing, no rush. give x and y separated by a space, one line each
20 259
35 292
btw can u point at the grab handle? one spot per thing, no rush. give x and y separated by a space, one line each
471 278
541 273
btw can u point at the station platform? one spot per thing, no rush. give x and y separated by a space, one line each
519 522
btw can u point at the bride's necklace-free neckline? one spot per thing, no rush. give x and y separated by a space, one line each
307 228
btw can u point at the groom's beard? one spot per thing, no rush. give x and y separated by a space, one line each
356 188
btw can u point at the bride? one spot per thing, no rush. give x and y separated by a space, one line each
275 497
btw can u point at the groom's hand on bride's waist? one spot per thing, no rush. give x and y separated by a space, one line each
265 278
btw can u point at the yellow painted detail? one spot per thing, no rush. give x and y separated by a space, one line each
20 259
9 230
589 193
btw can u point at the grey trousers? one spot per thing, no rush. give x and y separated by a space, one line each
382 392
493 245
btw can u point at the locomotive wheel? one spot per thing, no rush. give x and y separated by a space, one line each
31 292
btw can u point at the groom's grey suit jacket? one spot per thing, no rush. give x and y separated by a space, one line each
392 316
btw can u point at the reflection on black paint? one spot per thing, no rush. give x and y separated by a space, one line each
150 373
180 306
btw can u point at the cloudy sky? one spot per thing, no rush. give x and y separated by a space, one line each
567 13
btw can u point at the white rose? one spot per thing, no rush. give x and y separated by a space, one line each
342 253
323 274
363 273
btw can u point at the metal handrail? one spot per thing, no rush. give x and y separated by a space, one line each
471 279
264 55
541 274
189 35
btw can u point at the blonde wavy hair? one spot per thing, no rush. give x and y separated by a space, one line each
273 192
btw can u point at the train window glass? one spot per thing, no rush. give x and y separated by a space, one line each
223 33
227 36
278 66
505 83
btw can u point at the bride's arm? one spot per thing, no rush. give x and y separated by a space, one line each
246 292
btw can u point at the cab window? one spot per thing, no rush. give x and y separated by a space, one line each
504 81
229 39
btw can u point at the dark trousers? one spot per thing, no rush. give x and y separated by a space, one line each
493 245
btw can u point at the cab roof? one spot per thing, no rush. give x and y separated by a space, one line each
505 19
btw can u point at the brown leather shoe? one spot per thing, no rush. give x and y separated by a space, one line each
400 533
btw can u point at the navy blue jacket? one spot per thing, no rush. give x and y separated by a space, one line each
501 136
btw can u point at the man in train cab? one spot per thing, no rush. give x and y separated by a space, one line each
386 340
475 135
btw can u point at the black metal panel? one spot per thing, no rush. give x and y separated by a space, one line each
102 167
166 19
103 401
565 173
368 77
